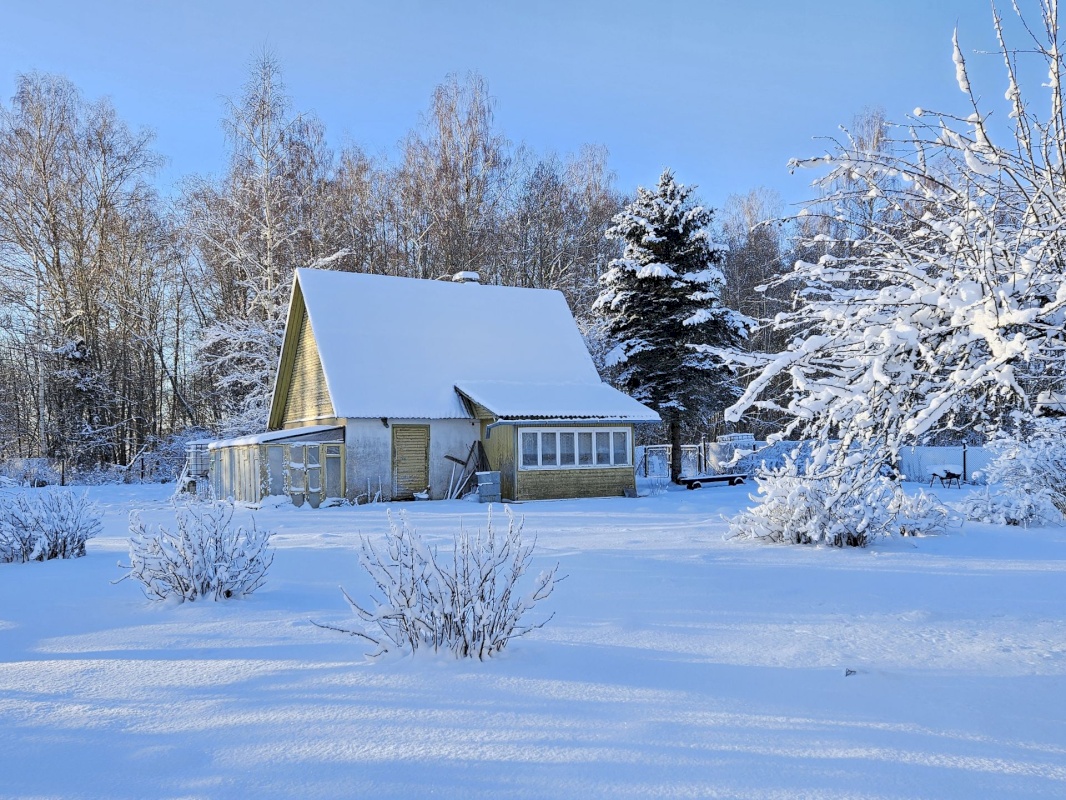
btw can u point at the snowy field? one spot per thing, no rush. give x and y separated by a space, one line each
679 664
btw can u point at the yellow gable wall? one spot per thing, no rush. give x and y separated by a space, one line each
308 397
301 395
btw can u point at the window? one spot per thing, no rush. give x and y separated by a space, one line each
603 447
574 448
548 450
584 449
566 449
530 454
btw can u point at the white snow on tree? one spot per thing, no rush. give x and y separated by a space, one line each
251 229
661 302
947 306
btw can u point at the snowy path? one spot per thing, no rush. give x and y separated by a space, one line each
678 665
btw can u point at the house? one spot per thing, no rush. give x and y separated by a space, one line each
385 383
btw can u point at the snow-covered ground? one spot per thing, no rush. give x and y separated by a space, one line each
679 664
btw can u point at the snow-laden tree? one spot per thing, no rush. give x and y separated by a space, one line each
946 307
89 311
662 304
250 231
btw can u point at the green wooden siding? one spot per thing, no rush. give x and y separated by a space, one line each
500 449
555 484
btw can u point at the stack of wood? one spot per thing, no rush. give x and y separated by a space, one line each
476 461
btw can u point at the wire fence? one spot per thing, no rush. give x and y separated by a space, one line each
716 458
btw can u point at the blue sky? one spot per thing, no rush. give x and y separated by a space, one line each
722 91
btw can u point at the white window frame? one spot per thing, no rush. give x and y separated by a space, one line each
610 431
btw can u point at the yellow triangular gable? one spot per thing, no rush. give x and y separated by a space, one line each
301 394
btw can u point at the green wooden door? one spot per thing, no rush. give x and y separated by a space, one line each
410 460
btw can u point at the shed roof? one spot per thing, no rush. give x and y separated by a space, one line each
508 400
312 431
398 347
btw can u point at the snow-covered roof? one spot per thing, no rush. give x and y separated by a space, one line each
397 347
509 400
273 436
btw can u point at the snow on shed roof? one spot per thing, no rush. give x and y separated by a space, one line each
556 401
273 436
397 347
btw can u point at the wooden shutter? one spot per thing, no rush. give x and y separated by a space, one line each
410 460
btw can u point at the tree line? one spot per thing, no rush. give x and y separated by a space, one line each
127 316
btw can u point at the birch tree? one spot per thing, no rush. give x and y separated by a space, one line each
451 181
251 230
80 231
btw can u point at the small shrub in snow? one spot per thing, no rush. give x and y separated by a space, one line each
1010 507
34 472
920 514
470 606
834 509
51 524
206 556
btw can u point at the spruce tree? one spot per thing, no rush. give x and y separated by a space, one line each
662 305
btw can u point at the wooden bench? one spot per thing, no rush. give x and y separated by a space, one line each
945 473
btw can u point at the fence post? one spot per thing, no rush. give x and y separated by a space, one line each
965 474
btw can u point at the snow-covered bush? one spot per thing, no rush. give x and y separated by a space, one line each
1032 465
40 527
833 509
771 457
206 556
1009 507
168 457
469 605
920 514
30 471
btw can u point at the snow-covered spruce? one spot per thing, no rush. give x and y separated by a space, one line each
205 557
51 524
470 606
661 302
